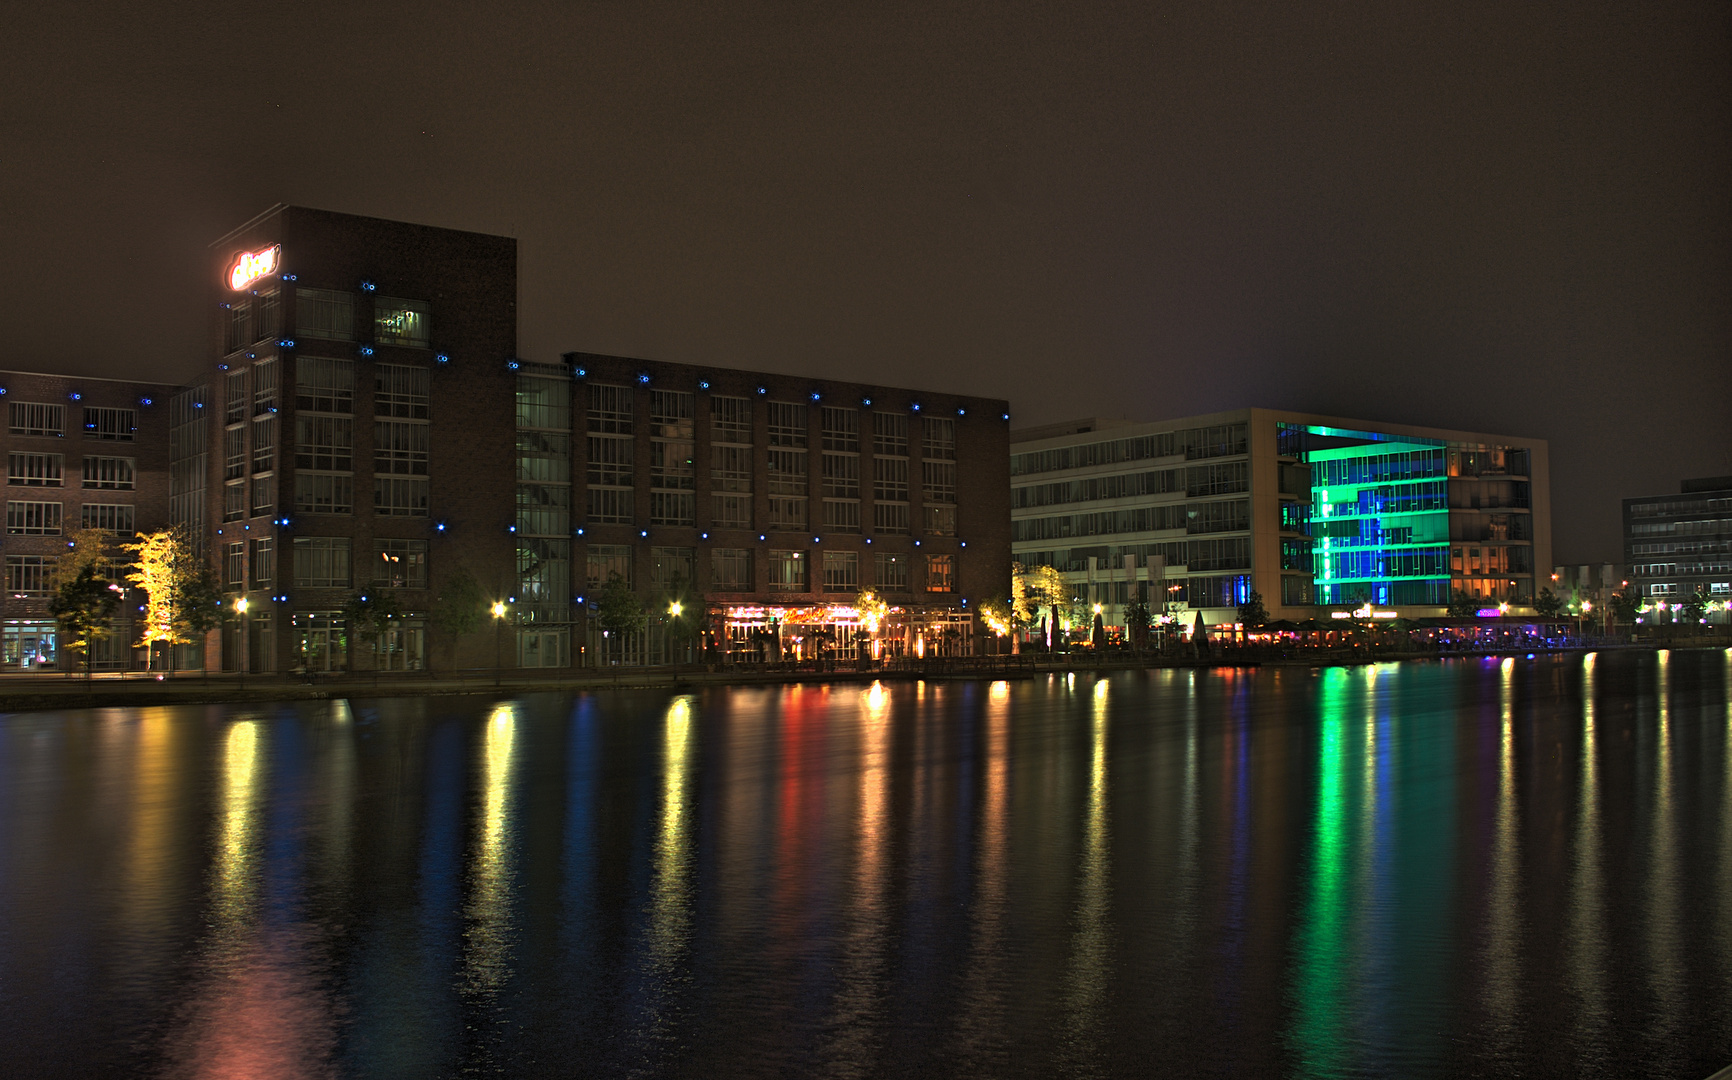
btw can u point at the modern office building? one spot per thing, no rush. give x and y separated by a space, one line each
363 428
1311 512
1677 545
80 453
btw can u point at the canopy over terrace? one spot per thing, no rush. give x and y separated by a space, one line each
771 632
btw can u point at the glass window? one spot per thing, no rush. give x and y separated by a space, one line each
402 322
731 420
400 496
890 572
115 517
324 385
606 560
264 495
323 493
400 564
237 403
33 518
27 576
610 409
322 313
36 470
939 440
322 562
265 386
890 434
731 569
264 443
788 571
940 573
264 562
787 424
841 430
324 442
841 571
402 391
108 473
400 447
31 418
114 424
669 563
235 562
234 451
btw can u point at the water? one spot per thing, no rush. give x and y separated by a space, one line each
1470 868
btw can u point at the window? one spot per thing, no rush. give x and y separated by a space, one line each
401 391
402 322
841 430
324 443
401 564
938 493
610 478
324 385
29 418
672 475
890 434
115 517
322 562
234 452
787 487
33 518
730 570
322 493
787 424
400 447
400 496
610 505
235 562
890 492
939 442
940 573
841 571
38 470
264 443
234 500
731 486
27 575
264 495
264 387
890 518
607 560
237 403
940 520
788 571
264 562
731 420
240 325
890 572
107 473
670 563
842 515
610 409
270 315
114 424
321 313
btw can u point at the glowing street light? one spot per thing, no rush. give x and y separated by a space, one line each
674 609
498 610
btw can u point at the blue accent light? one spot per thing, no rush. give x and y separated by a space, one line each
580 373
763 390
916 543
579 600
439 527
198 404
816 395
644 533
286 343
141 401
866 401
512 364
962 412
511 528
965 543
366 350
762 537
643 377
225 307
77 397
915 406
579 530
1007 416
291 277
703 384
2 391
368 286
868 539
441 359
222 367
703 536
965 601
815 540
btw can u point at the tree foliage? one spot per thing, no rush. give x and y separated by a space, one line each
1626 605
1461 605
1252 613
1695 606
83 607
1138 619
618 610
366 614
995 612
460 606
1548 604
183 600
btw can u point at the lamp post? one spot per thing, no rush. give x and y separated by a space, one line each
241 614
498 610
674 609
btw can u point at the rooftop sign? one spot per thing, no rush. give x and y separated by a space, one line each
253 265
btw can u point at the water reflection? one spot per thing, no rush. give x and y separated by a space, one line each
1464 868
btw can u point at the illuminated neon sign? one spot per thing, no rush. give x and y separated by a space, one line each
253 265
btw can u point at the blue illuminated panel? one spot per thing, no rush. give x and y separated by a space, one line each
1379 517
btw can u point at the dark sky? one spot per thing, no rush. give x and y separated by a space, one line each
1486 216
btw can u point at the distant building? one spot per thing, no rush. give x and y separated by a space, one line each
1314 513
1678 544
80 453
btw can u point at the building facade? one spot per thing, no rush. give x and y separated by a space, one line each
364 441
1310 512
80 453
1680 545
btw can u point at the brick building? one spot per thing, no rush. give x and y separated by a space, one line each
80 453
363 428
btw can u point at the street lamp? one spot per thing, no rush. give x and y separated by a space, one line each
498 610
674 609
241 615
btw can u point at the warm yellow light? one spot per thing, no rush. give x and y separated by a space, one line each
1587 605
1504 607
1097 609
675 608
241 606
499 609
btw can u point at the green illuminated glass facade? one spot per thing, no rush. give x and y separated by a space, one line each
1379 519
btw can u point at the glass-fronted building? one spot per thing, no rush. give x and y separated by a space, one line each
1679 546
1309 512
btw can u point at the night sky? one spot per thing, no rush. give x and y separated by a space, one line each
1492 217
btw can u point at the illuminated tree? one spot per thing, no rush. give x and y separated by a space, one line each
996 614
1695 606
183 601
1045 586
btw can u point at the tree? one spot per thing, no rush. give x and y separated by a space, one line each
1461 605
1695 607
82 607
1137 621
996 613
871 609
618 610
1548 604
1626 606
367 615
1044 585
459 607
1252 613
183 600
